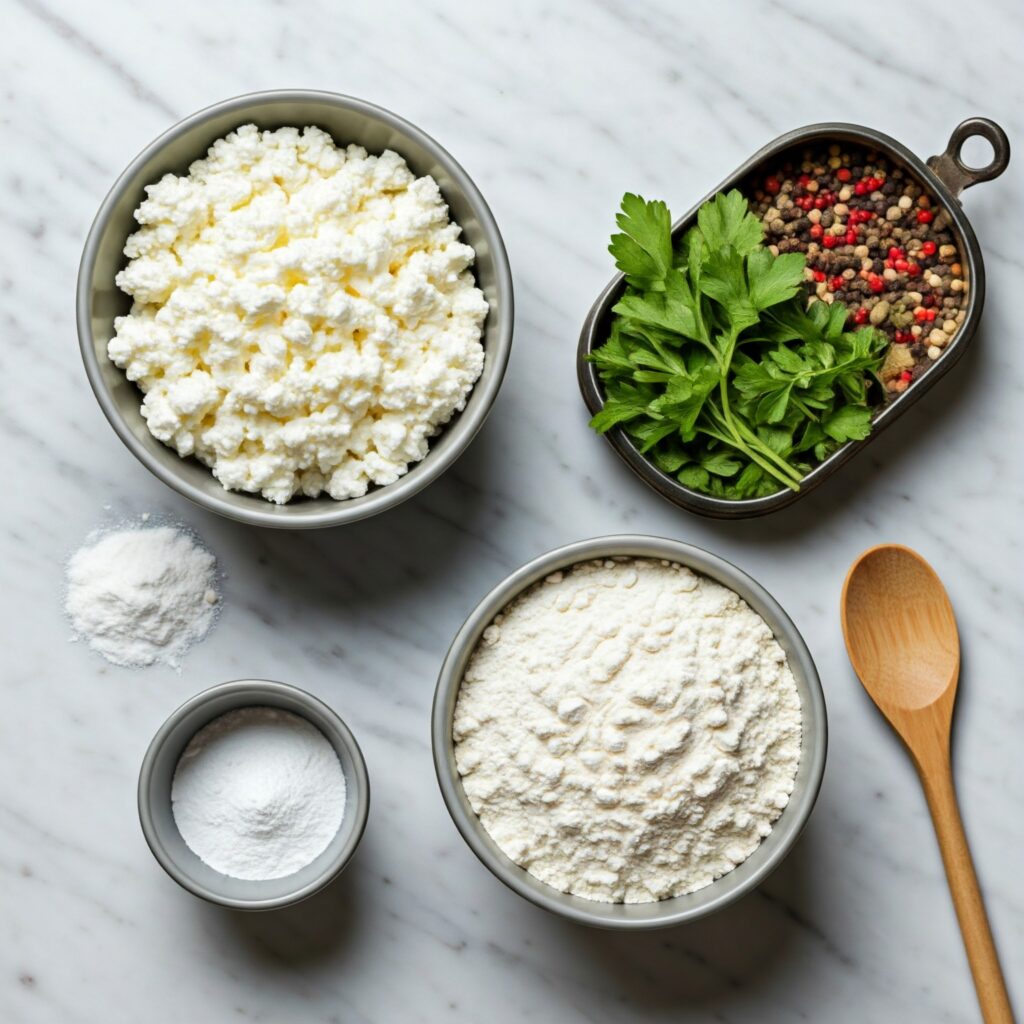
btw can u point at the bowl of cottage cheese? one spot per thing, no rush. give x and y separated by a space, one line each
295 308
629 732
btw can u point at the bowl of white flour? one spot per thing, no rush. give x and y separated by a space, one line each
295 308
629 732
253 795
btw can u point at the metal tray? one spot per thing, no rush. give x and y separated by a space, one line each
945 176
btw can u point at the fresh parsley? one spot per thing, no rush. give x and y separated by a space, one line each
714 365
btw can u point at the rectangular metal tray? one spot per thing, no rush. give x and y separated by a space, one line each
945 176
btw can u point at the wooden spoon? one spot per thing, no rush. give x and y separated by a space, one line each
902 640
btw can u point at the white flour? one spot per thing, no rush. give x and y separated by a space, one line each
139 596
258 793
628 731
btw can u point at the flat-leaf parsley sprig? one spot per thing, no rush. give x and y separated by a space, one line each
714 366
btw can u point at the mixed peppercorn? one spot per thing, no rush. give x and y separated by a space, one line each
876 241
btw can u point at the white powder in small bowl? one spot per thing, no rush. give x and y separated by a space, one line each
141 595
259 793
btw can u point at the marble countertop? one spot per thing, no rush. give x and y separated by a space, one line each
556 110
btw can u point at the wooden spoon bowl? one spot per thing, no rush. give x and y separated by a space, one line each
901 633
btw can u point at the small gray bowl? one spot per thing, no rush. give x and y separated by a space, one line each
679 909
157 818
348 120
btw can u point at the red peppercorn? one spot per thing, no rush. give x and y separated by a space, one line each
907 376
925 216
804 180
819 275
913 270
889 264
875 283
931 314
901 265
850 237
861 316
860 188
844 174
895 252
836 283
920 315
772 186
820 202
829 241
816 231
928 248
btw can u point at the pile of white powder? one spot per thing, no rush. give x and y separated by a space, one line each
628 731
140 595
259 793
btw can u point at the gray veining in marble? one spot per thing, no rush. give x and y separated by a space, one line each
555 109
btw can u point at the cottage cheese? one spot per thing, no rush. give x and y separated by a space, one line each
628 731
304 316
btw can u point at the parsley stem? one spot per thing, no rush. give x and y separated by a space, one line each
808 412
792 481
754 447
752 438
744 449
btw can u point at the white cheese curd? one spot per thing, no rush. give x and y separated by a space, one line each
304 316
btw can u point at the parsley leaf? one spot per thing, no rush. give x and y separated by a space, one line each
723 280
671 309
725 222
621 405
848 423
644 251
773 279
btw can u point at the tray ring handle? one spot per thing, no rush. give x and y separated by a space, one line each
950 167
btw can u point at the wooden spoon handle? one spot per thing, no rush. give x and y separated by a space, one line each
963 886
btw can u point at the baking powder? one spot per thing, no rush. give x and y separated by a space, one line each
259 793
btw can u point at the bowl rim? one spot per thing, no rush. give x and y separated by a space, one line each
468 422
592 912
259 689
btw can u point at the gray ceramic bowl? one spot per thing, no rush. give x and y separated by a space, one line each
725 890
157 818
99 300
